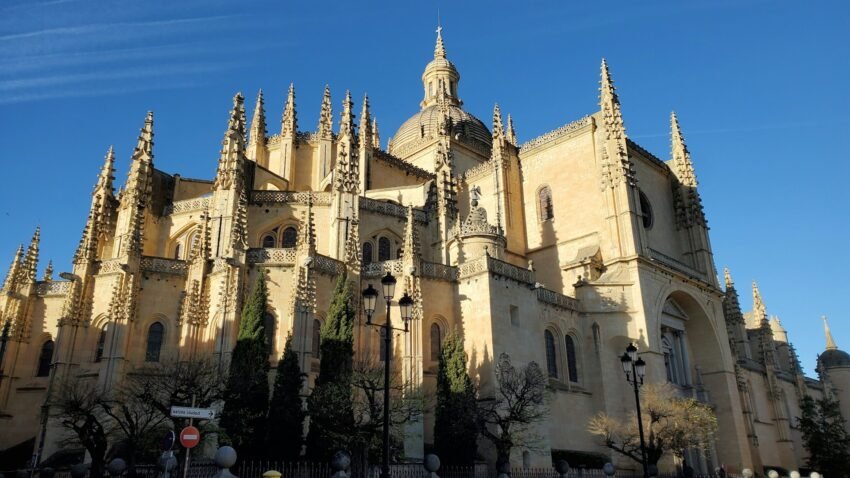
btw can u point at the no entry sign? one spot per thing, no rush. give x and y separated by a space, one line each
190 437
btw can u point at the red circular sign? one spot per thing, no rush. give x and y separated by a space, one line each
190 437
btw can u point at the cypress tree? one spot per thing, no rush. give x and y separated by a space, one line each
455 430
825 436
329 406
286 411
247 391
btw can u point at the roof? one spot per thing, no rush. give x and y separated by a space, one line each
425 124
834 358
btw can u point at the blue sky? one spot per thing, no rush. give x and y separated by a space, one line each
759 86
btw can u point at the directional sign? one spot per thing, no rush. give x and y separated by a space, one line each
189 412
190 437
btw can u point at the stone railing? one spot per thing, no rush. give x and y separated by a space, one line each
470 268
379 269
53 287
674 263
391 209
164 266
437 271
110 266
284 256
480 170
555 134
504 269
557 299
327 265
187 205
290 197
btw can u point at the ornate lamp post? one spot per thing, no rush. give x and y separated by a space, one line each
635 369
405 305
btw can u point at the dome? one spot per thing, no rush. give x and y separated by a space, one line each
834 358
425 124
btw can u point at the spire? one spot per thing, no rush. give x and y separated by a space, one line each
498 129
682 164
137 190
258 126
759 308
610 104
365 124
830 342
326 116
439 48
289 126
727 278
233 147
48 272
376 137
731 303
105 178
30 263
511 131
346 122
14 270
617 168
100 210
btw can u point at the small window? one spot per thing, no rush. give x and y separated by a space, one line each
317 339
544 202
268 241
383 249
645 211
514 311
101 343
290 237
44 359
367 253
155 334
436 342
269 326
551 355
572 366
177 250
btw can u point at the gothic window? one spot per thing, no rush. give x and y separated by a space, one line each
383 249
101 342
572 364
544 203
317 339
269 326
155 334
674 362
177 250
367 253
645 211
436 342
551 355
290 237
597 337
268 240
44 359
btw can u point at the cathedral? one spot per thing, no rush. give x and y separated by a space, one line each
561 250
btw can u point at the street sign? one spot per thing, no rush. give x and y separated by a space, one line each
168 440
190 437
189 412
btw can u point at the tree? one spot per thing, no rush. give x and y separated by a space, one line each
508 418
286 411
247 392
671 423
76 405
825 437
455 431
330 406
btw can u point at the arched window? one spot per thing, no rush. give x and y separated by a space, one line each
101 342
645 211
670 360
436 342
551 355
544 204
290 237
193 239
155 334
269 325
383 249
177 250
317 339
367 253
44 359
572 366
268 241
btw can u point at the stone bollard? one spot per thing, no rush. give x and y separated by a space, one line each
772 474
794 474
116 467
432 464
225 457
79 470
747 473
814 474
562 467
272 474
609 469
340 464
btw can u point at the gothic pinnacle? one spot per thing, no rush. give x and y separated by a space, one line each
727 278
258 122
48 272
326 116
610 104
439 48
498 129
365 124
682 164
376 138
346 122
105 178
830 342
31 258
288 124
14 270
144 145
758 305
511 131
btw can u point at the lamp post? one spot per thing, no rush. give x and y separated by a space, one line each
635 369
405 305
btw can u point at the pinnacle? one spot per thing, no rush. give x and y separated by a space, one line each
144 146
439 48
511 131
326 115
727 276
289 126
830 342
498 129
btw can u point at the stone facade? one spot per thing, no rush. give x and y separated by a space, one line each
579 234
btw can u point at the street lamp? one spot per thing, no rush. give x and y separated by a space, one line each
405 305
635 368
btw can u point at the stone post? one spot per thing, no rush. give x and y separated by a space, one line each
340 464
225 457
432 464
116 467
272 474
562 467
609 469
